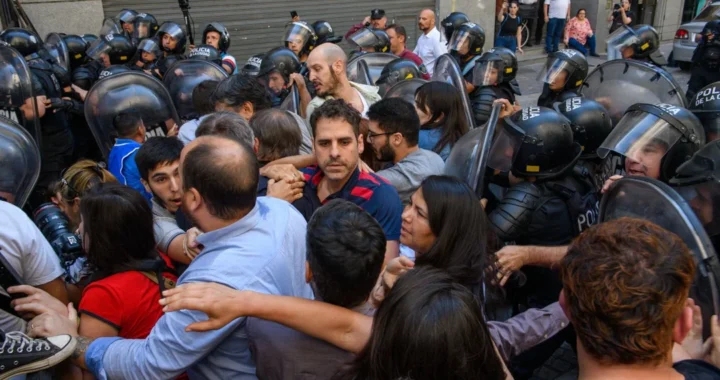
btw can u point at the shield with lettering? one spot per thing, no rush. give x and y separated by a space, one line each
129 92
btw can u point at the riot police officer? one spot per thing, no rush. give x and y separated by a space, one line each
300 38
77 49
591 125
640 43
509 83
173 42
654 139
563 75
218 36
706 106
396 71
148 53
466 47
114 49
126 18
145 26
371 40
206 53
706 60
487 76
324 33
57 139
252 66
275 71
452 22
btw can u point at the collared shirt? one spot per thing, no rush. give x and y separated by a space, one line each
263 252
165 226
407 174
367 190
430 47
121 163
407 54
187 131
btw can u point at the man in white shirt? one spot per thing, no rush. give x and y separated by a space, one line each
430 45
557 12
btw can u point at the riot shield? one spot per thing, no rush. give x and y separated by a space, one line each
19 162
375 62
447 70
130 92
619 84
183 76
363 74
291 103
110 26
405 89
469 156
17 100
58 49
652 200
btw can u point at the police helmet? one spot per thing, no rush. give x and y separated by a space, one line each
324 33
367 38
511 62
452 22
468 36
252 66
175 31
205 52
280 59
301 34
398 70
117 46
77 48
590 121
224 42
24 41
126 16
146 26
566 65
706 106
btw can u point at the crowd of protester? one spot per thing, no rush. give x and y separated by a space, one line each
330 240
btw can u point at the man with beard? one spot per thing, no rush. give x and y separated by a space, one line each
430 45
327 64
158 161
337 147
393 134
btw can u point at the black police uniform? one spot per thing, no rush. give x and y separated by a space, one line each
706 60
574 64
479 97
283 61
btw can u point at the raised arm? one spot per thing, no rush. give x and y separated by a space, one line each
336 325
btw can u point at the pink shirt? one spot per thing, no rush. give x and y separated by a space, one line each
579 30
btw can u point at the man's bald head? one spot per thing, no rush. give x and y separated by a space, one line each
426 20
224 172
330 53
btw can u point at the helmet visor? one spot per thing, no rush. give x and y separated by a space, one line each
622 39
704 200
110 26
144 29
488 73
174 30
364 38
642 137
460 42
297 35
505 147
556 73
98 48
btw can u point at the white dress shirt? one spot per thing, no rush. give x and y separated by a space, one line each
429 48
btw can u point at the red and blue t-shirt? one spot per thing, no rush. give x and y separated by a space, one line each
367 190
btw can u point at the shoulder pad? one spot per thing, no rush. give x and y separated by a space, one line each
515 86
513 214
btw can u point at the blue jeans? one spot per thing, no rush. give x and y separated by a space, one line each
555 29
509 42
575 44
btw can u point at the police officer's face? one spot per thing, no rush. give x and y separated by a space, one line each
627 52
645 161
491 76
415 232
379 24
143 30
128 27
165 185
558 83
464 48
213 38
148 57
380 142
276 82
336 148
105 59
295 44
169 42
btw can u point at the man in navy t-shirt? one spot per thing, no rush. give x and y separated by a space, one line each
337 146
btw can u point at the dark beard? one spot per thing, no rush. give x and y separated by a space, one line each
331 89
386 152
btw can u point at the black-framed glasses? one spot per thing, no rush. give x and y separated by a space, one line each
372 135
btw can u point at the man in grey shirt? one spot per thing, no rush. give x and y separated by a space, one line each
249 243
346 249
393 134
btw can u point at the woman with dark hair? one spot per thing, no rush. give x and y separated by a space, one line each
429 327
442 120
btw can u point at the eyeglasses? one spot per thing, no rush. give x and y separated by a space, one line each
372 135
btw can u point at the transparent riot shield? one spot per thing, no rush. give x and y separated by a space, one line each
17 100
469 156
55 44
110 26
129 92
652 200
19 162
291 103
375 62
447 70
619 84
363 74
184 76
405 89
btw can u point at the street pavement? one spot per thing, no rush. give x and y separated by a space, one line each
531 87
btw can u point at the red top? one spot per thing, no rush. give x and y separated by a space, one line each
127 301
407 54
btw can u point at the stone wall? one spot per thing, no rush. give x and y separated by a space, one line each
65 16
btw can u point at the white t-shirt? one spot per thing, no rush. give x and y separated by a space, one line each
366 107
429 48
27 251
558 8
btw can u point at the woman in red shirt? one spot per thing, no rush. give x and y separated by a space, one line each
579 34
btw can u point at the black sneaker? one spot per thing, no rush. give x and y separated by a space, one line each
21 354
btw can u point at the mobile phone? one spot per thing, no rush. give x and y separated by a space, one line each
293 14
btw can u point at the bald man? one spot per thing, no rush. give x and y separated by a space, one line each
430 45
327 64
249 243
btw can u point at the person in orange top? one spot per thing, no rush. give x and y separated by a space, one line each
579 34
